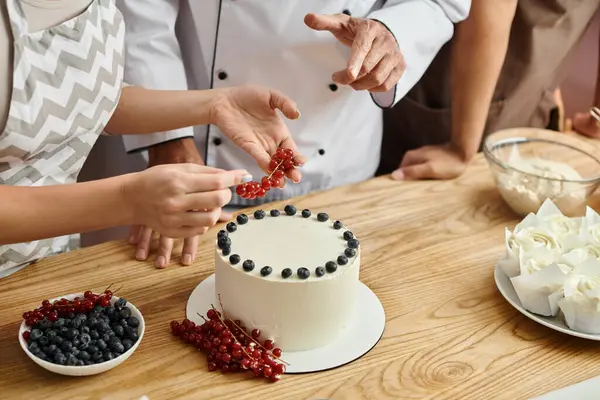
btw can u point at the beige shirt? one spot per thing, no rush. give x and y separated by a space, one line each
41 14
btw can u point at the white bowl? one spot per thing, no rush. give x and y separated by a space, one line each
86 369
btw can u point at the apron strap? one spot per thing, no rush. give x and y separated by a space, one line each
18 21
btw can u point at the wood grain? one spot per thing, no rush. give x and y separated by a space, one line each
428 253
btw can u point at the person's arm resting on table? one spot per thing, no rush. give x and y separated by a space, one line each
478 53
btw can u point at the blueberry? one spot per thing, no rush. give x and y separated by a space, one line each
75 352
84 355
60 358
57 340
133 322
350 252
227 251
79 363
92 322
104 336
264 271
35 335
132 334
108 356
338 225
85 338
82 316
286 273
342 260
221 234
290 210
123 323
51 334
303 273
319 271
113 341
71 333
92 349
76 342
322 217
94 335
118 349
118 330
50 350
110 313
89 362
242 219
94 314
66 346
45 324
330 266
71 315
127 343
231 227
120 304
43 341
101 344
71 360
223 242
33 345
306 213
59 323
353 243
97 356
85 329
259 214
125 313
248 265
103 327
63 331
348 235
234 259
275 213
76 323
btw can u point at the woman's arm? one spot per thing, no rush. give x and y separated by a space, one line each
144 111
33 213
479 49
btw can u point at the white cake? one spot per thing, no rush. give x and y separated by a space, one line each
298 312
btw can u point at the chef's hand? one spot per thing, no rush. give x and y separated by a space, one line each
586 124
248 116
376 62
180 200
172 152
431 162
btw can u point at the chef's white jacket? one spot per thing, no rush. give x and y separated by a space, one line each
199 44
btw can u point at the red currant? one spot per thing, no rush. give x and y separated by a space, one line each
265 183
104 302
236 354
26 315
287 165
53 316
268 344
267 371
276 352
279 174
26 335
245 363
226 357
274 164
212 314
275 377
88 294
279 369
212 366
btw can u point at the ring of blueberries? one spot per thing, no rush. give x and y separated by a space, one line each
224 243
81 337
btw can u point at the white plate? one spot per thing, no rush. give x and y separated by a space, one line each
360 337
86 370
557 323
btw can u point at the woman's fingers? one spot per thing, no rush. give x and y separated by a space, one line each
215 181
205 200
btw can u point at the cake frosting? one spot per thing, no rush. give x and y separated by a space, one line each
292 274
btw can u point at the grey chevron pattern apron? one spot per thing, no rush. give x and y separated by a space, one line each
66 85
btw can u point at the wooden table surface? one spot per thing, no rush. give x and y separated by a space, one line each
428 253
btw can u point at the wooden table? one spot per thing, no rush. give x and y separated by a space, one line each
428 253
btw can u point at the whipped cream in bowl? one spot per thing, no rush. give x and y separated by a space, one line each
531 165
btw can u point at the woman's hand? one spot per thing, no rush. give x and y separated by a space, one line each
180 200
586 124
247 115
432 162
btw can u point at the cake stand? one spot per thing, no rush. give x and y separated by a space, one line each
361 335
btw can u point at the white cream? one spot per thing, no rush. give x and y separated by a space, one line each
297 314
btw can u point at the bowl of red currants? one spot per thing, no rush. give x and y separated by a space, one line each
82 334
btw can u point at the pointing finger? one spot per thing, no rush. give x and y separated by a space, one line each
322 22
360 48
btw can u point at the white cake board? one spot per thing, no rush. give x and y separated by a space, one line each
361 335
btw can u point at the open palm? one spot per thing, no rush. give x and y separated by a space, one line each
247 115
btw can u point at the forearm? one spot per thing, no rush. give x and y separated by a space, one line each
144 111
33 213
478 52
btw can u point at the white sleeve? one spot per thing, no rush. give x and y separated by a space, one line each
421 28
152 58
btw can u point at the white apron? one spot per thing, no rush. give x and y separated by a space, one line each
66 85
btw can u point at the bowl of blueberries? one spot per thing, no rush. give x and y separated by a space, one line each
82 334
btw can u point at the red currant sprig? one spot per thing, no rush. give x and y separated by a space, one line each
63 307
230 348
281 162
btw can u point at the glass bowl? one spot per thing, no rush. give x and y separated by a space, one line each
530 165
